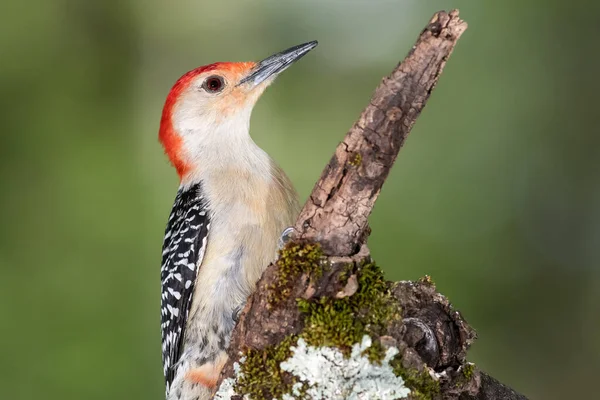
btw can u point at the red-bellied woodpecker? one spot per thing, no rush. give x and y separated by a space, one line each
232 206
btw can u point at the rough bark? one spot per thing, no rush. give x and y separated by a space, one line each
336 212
430 334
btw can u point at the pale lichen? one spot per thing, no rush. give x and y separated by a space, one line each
326 373
227 388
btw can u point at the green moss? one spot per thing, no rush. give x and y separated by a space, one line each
375 353
420 383
329 323
346 273
468 370
343 322
261 377
294 259
427 280
338 323
356 160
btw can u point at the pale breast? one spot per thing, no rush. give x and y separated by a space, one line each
248 214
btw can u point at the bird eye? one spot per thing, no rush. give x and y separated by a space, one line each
213 84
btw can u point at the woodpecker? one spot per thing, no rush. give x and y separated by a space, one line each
232 205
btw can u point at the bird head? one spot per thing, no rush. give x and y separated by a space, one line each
208 109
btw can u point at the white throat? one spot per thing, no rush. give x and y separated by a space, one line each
214 145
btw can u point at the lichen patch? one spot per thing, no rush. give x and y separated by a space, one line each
326 373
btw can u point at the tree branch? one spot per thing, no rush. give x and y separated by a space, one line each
337 210
327 266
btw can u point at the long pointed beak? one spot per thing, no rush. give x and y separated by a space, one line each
277 63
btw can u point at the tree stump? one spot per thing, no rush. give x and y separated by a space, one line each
325 298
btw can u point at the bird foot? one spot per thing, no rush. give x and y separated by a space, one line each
286 236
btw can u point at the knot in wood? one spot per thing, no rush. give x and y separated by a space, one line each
394 114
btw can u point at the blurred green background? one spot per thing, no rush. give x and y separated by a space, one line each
496 194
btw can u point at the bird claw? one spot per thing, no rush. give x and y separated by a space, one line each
286 236
236 313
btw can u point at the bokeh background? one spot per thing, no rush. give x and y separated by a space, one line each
496 194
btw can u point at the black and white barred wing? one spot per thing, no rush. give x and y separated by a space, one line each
183 249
